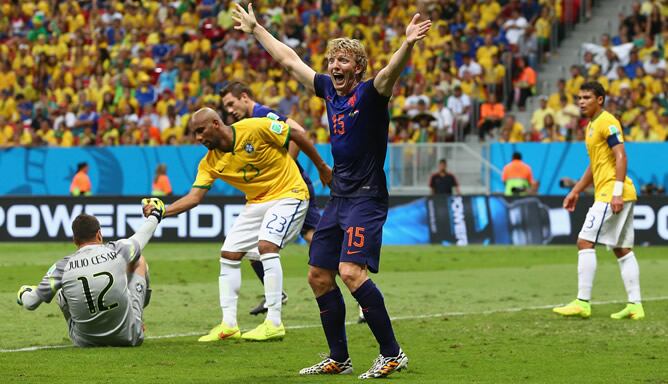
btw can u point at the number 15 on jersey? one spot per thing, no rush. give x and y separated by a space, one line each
338 125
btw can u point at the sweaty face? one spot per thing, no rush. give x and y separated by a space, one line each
205 134
343 70
235 106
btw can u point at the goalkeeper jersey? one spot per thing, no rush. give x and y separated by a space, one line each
94 284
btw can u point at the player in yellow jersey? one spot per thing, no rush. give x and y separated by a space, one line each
610 219
252 156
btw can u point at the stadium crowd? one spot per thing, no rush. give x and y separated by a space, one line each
632 67
114 72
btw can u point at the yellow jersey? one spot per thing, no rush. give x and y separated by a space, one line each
603 132
259 164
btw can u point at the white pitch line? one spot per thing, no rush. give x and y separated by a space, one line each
396 318
35 348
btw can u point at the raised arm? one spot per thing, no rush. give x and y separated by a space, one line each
384 81
287 57
298 136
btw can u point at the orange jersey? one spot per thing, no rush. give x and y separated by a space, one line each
162 185
80 182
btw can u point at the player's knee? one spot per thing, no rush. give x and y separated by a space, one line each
231 255
584 244
353 275
621 252
314 278
267 247
308 235
320 280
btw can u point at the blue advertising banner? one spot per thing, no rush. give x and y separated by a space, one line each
114 171
445 220
647 163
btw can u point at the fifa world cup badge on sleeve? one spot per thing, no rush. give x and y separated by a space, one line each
277 128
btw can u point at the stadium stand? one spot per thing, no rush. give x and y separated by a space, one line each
131 73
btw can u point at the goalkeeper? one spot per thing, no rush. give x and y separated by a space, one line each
102 289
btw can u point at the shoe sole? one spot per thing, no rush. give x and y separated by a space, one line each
403 364
213 341
627 317
272 338
584 316
219 339
233 336
348 371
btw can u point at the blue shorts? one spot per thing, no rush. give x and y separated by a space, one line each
313 214
350 230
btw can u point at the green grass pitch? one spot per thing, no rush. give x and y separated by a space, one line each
463 315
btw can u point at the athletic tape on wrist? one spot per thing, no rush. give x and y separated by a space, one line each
618 189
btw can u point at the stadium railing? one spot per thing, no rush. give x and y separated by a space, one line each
411 166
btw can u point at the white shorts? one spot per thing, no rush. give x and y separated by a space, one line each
603 227
276 221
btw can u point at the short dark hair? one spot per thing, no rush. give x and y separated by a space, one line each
443 161
594 87
236 88
84 228
517 156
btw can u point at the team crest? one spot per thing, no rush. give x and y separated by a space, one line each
139 287
248 147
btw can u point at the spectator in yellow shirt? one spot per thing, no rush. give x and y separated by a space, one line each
544 29
551 132
7 76
644 133
554 101
512 131
538 116
489 11
6 133
573 84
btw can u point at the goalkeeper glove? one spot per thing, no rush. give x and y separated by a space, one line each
157 207
22 290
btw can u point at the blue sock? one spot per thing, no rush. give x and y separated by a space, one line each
375 313
258 268
333 317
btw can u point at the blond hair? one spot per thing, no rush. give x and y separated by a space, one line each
350 46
